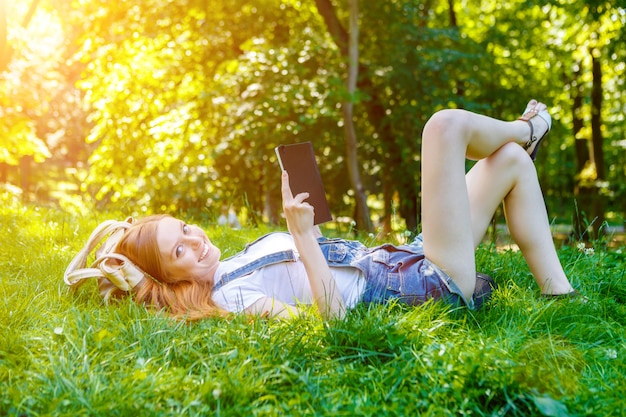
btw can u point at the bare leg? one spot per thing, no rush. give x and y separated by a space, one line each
509 175
448 227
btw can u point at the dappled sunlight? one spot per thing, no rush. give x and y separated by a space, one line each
130 107
164 106
37 49
29 79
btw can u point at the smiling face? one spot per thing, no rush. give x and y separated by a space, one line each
186 252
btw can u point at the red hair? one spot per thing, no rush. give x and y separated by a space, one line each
185 299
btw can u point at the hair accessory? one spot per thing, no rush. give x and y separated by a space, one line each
116 268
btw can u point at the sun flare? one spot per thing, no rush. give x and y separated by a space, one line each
36 19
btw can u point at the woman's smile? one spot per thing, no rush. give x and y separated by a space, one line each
205 251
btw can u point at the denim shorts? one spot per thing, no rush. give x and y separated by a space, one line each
404 274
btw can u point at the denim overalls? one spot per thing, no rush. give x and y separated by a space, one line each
391 272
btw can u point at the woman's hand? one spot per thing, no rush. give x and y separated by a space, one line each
298 212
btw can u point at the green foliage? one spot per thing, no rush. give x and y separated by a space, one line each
64 353
19 141
277 79
188 98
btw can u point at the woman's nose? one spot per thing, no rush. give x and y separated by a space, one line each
194 241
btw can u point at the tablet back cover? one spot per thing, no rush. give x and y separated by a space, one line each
304 176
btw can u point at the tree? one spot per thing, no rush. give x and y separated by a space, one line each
189 102
594 30
23 96
362 216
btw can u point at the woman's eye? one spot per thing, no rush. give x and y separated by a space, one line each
179 250
185 229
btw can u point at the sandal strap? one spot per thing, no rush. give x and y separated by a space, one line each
528 115
533 138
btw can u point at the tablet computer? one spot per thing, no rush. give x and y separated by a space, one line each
304 176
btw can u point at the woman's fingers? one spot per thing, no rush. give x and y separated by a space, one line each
288 196
285 188
299 198
298 213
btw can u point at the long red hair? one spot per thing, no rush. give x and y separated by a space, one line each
185 299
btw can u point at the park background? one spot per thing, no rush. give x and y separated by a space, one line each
176 105
117 108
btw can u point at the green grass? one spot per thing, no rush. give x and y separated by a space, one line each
65 353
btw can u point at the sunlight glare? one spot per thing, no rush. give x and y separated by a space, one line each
42 33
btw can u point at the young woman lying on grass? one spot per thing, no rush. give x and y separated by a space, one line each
172 266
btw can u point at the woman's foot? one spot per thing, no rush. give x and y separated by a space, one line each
482 292
539 129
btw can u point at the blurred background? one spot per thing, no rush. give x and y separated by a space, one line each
176 105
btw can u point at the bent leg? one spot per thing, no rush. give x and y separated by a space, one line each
449 137
510 176
489 182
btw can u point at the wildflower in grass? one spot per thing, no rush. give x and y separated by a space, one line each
216 393
584 249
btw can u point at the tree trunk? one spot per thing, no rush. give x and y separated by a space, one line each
408 207
581 146
25 176
590 204
596 117
30 13
460 87
581 143
348 47
4 172
362 215
597 145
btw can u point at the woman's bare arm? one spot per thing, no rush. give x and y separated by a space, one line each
270 307
299 215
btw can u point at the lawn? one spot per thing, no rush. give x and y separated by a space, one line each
65 353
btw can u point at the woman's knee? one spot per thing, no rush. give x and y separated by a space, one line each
449 125
513 156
